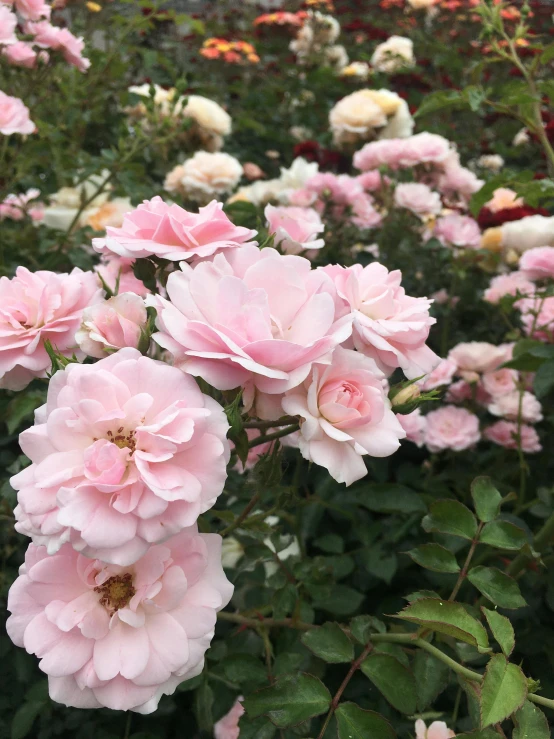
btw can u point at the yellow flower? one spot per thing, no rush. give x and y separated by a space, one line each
94 7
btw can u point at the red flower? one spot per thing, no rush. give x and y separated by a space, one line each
488 219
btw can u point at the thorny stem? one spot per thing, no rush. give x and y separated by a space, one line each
240 518
269 424
275 435
463 572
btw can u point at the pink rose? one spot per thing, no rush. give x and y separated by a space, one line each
228 726
364 214
505 433
384 153
14 116
250 316
126 453
371 181
33 10
16 207
113 269
116 323
425 148
119 637
537 317
295 229
36 307
8 23
345 413
418 198
514 283
450 427
475 357
389 326
441 375
339 189
436 730
456 181
538 263
502 199
459 392
414 425
508 406
20 54
48 36
169 231
457 230
499 382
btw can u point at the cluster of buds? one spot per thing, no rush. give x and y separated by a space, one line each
233 52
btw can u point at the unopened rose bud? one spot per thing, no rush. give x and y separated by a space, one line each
407 394
113 324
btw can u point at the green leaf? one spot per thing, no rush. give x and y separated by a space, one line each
393 680
450 517
203 702
499 588
22 407
543 381
448 618
431 676
502 630
503 535
24 718
486 499
434 557
355 723
258 728
503 691
547 54
342 602
330 543
390 498
329 643
290 700
439 101
479 734
362 627
530 723
244 668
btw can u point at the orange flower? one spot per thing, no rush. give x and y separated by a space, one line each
232 57
210 53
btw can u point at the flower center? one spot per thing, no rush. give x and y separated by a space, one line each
116 592
123 439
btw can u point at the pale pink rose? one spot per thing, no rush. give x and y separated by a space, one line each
169 231
457 181
8 23
113 324
457 230
384 153
119 637
20 54
126 453
514 283
371 180
48 36
510 405
340 189
459 392
418 198
253 171
119 271
425 148
302 198
36 307
499 382
250 315
228 726
441 375
537 317
450 427
389 326
33 10
14 116
475 357
16 207
414 425
505 433
538 263
345 413
364 214
436 730
295 229
502 199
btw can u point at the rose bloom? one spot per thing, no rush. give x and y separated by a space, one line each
212 121
386 152
417 5
389 326
250 316
499 382
537 317
395 53
119 637
423 148
171 232
66 203
295 229
33 10
8 23
16 207
371 180
48 36
522 235
35 307
450 427
364 215
503 198
20 54
538 263
126 453
505 433
459 231
14 116
492 162
508 406
475 357
116 271
205 176
438 729
418 198
514 283
367 114
456 181
116 323
344 413
414 425
440 376
228 726
358 70
460 391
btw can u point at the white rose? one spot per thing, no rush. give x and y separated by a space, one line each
205 176
395 53
368 114
208 115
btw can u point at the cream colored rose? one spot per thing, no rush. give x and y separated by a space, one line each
397 52
163 99
335 56
418 4
66 203
208 114
369 114
205 176
358 70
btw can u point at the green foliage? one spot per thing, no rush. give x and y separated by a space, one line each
355 723
290 701
393 679
329 643
504 691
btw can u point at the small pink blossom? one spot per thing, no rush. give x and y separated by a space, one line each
418 198
364 215
14 116
538 263
499 382
20 54
371 181
48 36
502 199
113 324
344 414
414 425
389 326
436 730
119 271
169 231
514 283
537 317
510 405
15 207
459 392
456 181
228 726
453 428
475 357
8 23
459 231
119 637
505 433
295 229
440 376
126 453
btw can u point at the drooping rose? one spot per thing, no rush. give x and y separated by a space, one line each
113 324
20 54
295 229
52 37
